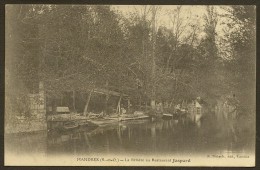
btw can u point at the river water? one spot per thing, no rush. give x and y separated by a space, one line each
133 137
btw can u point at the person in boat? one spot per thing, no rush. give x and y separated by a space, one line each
201 101
178 108
123 110
159 107
202 104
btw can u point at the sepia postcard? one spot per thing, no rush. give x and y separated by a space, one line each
130 85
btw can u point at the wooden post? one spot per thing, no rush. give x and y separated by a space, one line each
87 103
153 104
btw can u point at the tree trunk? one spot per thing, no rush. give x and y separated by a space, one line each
153 57
118 105
106 104
74 107
153 104
140 102
54 105
128 105
87 103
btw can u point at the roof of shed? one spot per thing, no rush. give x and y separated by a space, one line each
62 109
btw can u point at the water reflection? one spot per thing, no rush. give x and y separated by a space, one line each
161 136
133 137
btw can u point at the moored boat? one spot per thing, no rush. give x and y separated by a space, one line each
82 123
167 115
70 125
134 117
102 121
117 118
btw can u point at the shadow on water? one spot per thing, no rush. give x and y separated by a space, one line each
136 137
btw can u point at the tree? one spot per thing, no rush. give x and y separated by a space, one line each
241 35
208 61
21 60
72 50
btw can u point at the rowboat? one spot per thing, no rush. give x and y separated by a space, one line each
167 115
134 117
175 115
82 123
116 119
70 125
101 121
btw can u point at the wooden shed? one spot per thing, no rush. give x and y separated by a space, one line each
62 110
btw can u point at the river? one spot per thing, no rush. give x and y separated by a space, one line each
132 137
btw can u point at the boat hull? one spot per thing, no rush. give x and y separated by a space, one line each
112 120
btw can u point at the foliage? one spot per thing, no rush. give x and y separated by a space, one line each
74 47
242 41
